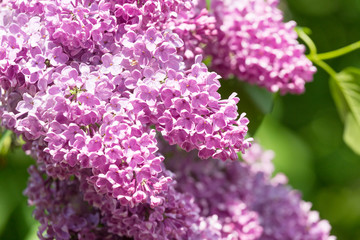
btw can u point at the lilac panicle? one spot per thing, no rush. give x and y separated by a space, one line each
255 45
85 83
173 217
92 86
244 202
248 202
72 208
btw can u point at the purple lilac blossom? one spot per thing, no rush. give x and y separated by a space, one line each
174 215
82 100
72 208
86 84
255 45
247 201
244 202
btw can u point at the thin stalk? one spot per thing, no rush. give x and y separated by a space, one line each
339 52
308 41
326 67
313 56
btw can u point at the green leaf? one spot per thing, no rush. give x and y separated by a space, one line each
254 101
345 89
339 99
352 133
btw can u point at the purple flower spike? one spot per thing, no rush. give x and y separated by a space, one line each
99 90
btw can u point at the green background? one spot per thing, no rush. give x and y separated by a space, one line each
305 132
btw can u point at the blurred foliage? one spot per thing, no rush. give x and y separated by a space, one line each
345 88
16 221
305 131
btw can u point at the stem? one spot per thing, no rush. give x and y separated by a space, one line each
313 56
339 52
308 41
326 67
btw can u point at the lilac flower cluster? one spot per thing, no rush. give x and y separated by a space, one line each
254 45
244 202
91 86
247 201
83 106
73 208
